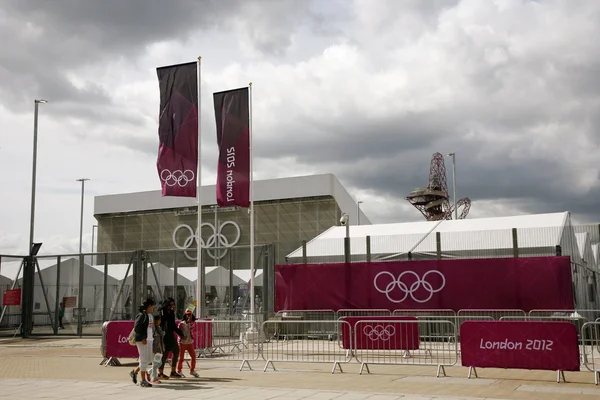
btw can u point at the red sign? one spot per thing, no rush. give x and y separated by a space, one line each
520 344
70 302
389 335
11 297
493 283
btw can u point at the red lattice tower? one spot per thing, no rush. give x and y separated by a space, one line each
433 200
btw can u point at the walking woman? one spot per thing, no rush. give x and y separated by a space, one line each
144 336
169 326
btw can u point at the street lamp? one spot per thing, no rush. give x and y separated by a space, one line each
358 203
453 155
82 180
33 173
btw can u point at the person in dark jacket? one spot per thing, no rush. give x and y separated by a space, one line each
144 335
169 326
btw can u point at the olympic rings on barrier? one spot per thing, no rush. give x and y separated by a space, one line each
217 239
409 291
177 177
379 332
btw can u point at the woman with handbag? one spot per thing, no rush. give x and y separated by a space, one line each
144 336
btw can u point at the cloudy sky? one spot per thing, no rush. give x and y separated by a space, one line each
365 89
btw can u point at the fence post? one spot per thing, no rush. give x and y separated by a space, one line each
438 245
368 244
515 243
57 301
27 296
558 250
304 256
347 249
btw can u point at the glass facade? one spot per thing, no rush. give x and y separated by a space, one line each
282 224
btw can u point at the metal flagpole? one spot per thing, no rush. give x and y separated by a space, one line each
252 310
199 285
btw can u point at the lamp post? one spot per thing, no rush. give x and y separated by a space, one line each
453 155
345 220
34 171
82 180
358 203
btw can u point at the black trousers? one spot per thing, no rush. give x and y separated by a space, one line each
170 348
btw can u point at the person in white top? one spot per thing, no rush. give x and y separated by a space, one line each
144 336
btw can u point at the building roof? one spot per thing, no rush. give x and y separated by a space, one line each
457 235
264 190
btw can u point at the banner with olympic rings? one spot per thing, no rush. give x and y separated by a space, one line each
380 333
177 161
493 283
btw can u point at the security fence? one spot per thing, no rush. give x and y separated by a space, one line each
76 294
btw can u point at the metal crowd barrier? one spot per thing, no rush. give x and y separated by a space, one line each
230 340
293 341
591 348
400 343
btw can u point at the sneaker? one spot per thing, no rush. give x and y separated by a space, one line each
145 384
175 375
155 382
195 374
163 377
133 376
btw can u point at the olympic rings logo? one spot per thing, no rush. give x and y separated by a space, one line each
379 332
177 177
217 239
409 290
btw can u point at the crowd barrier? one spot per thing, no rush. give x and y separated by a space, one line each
591 348
399 337
293 341
231 340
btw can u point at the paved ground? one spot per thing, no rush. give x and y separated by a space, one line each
69 368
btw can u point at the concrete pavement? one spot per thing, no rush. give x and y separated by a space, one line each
69 368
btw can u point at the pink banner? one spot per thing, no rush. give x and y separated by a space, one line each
177 161
393 334
116 343
521 344
232 115
494 283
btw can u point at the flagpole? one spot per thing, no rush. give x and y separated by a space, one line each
199 284
252 310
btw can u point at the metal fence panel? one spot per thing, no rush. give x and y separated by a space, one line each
401 343
292 341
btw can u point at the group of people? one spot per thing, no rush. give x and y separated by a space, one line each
155 339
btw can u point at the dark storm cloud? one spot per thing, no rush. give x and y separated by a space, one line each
44 40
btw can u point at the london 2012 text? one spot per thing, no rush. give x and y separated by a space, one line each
533 345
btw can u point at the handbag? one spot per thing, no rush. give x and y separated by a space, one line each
131 337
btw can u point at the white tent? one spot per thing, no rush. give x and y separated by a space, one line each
68 287
5 284
537 235
244 275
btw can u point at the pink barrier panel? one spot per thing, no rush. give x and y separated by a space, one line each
493 283
117 345
519 344
203 334
392 335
